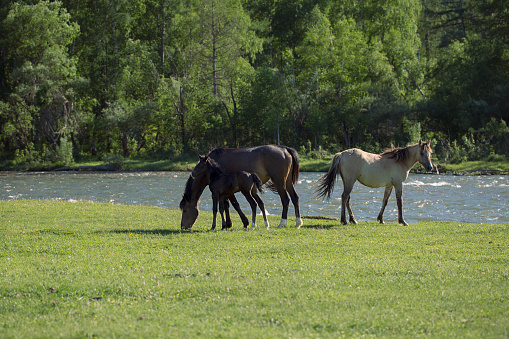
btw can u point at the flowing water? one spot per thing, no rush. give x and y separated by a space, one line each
475 199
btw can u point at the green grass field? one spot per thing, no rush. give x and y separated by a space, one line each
86 270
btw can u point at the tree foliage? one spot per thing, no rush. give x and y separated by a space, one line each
159 78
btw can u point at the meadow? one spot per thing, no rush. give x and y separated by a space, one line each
91 270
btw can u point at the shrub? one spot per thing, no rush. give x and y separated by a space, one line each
63 152
114 160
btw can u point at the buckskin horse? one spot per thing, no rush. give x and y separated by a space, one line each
389 169
223 185
279 164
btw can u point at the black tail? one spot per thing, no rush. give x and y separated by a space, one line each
295 164
326 183
258 182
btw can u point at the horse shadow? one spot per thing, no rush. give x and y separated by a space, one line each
313 222
163 232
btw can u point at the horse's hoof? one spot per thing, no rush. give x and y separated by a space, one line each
298 222
282 224
403 222
353 221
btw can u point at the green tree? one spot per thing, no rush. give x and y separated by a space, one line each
44 84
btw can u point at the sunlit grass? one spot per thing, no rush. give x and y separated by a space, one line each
87 269
478 165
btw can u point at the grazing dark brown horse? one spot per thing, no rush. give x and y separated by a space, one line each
223 185
191 197
389 169
279 164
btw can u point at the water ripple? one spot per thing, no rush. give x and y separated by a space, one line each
481 199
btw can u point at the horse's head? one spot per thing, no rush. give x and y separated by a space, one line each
425 155
195 185
201 167
189 212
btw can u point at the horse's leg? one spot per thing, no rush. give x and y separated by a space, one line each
345 200
387 194
295 201
214 211
285 201
236 205
399 200
262 207
224 208
252 203
350 213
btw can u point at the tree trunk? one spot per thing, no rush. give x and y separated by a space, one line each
181 111
462 19
163 24
346 135
125 144
214 52
233 117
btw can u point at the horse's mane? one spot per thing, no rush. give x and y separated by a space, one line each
427 147
398 154
214 168
216 151
187 191
401 153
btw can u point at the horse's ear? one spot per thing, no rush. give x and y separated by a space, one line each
202 157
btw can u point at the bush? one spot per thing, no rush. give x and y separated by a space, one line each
63 153
114 160
496 157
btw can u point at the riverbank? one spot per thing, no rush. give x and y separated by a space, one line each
321 165
103 270
307 164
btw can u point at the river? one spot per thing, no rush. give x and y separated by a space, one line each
473 199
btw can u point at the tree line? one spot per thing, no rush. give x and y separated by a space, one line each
160 78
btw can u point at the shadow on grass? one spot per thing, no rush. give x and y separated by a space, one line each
318 226
315 222
154 232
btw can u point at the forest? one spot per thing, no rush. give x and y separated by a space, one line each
88 79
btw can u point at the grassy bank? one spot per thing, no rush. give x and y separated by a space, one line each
467 167
101 270
308 163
